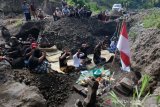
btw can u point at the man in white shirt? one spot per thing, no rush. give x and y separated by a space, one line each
76 59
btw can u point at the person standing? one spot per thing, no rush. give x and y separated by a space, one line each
26 10
33 10
66 11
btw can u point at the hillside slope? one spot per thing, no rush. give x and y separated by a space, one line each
146 46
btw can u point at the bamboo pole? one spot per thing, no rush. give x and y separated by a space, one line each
119 29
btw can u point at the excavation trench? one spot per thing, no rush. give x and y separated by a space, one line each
57 88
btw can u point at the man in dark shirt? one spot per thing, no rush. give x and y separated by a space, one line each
63 59
36 61
97 54
105 43
28 51
15 50
84 49
63 62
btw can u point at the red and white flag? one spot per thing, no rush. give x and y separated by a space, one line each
123 47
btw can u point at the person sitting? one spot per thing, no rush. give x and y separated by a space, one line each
15 53
66 11
84 49
72 11
77 62
43 41
37 62
97 54
102 16
77 9
30 38
28 51
113 46
87 13
40 14
105 43
63 62
57 14
15 48
107 14
81 12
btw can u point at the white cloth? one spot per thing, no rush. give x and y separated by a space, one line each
76 60
123 47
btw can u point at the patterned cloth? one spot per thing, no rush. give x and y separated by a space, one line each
42 68
113 47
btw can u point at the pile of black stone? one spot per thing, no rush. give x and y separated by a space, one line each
55 88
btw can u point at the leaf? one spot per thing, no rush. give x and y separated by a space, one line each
145 83
116 100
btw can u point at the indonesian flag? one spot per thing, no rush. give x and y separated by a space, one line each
123 47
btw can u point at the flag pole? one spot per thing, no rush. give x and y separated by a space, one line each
119 29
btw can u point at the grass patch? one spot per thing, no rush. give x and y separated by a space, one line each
152 20
18 23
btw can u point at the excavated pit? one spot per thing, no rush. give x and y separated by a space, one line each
57 88
33 27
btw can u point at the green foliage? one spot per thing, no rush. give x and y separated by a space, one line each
137 100
152 20
70 2
115 100
144 86
90 4
18 23
98 5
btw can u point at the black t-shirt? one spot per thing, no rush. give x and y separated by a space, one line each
84 50
63 61
27 51
100 16
97 54
16 52
33 62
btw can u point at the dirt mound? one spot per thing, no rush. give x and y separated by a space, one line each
55 88
70 32
146 52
